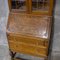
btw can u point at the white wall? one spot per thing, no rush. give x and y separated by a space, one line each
3 21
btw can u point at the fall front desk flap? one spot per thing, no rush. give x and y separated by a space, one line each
32 26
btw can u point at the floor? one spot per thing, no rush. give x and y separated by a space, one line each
4 52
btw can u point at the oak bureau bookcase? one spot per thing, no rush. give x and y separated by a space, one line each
29 26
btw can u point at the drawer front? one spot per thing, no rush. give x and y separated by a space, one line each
28 49
39 42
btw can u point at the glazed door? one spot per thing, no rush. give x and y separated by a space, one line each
41 6
19 5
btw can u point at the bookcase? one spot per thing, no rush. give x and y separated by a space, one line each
29 26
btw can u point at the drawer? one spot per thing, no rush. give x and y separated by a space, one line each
28 49
28 40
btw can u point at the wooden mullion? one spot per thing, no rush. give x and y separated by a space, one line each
27 6
30 6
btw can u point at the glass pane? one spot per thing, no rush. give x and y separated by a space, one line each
19 5
40 5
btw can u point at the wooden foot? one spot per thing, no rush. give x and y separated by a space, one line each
12 54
